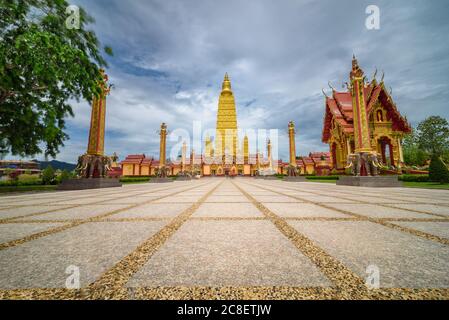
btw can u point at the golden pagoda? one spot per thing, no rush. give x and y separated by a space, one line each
226 132
224 155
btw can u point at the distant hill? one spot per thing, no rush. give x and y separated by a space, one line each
56 165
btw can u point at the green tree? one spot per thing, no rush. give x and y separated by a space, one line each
432 135
65 175
438 171
8 171
44 64
48 176
413 155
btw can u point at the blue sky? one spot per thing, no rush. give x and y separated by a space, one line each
171 56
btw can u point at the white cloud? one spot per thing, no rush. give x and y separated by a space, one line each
170 58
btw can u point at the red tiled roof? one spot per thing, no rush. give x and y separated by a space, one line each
339 107
307 160
133 159
147 161
320 154
155 163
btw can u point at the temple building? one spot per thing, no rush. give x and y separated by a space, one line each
225 155
373 105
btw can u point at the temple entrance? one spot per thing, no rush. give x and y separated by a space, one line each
386 151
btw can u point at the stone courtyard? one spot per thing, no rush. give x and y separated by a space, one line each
220 238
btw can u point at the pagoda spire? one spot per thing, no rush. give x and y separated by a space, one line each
227 84
226 139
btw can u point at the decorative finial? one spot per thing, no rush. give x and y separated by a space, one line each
324 92
330 86
375 74
291 125
356 70
227 84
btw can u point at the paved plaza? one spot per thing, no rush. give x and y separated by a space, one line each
222 238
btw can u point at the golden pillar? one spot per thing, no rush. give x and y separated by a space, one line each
246 149
270 159
291 135
193 167
183 157
98 119
208 147
348 147
361 129
163 146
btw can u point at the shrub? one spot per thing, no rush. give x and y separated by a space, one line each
9 183
29 180
414 178
438 171
48 176
65 175
323 178
134 179
334 172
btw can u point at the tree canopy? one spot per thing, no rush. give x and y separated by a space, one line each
432 135
413 155
44 64
430 138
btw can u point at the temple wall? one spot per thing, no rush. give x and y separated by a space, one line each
145 170
128 170
310 169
